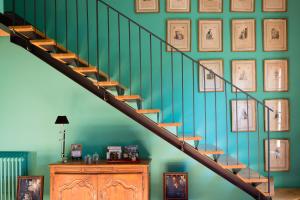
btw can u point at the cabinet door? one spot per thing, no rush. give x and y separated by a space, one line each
74 187
120 187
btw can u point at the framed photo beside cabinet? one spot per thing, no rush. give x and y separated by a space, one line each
208 82
179 34
275 35
244 75
175 186
210 6
178 5
280 117
242 5
276 76
147 6
275 5
243 115
279 155
210 36
30 187
243 35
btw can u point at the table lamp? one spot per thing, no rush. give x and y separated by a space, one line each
63 120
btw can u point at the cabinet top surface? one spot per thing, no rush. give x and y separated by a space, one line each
99 163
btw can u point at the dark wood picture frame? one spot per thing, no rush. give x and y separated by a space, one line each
185 185
169 35
20 188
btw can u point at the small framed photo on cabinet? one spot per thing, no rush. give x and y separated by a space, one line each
242 5
179 34
30 187
147 6
274 5
208 82
276 76
279 155
243 115
210 6
244 75
175 186
243 35
210 35
178 5
280 117
275 35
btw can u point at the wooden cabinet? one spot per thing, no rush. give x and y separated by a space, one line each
103 181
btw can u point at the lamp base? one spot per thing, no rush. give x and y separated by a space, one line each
64 159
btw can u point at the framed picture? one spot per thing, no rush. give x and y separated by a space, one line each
275 5
147 6
76 151
243 115
280 117
179 34
207 79
178 5
175 186
275 35
276 76
30 187
279 155
242 5
244 75
210 35
213 6
243 35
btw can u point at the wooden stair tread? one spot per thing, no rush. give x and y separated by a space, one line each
63 55
175 124
42 42
109 84
148 111
250 176
190 138
24 28
128 98
85 69
209 149
228 162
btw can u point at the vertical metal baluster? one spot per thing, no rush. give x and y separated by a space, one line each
196 142
88 32
130 59
150 41
216 111
34 13
55 21
24 7
227 130
66 2
77 34
45 18
269 152
258 138
182 96
172 74
205 116
14 11
140 53
237 126
119 46
108 44
161 82
248 137
97 33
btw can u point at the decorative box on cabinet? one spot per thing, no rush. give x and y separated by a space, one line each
103 181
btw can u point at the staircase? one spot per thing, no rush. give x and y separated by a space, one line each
157 89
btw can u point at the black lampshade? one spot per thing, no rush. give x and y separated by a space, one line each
62 120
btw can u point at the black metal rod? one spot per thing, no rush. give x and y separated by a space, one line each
172 74
108 43
119 47
130 59
182 96
205 109
77 33
248 136
24 7
45 18
97 33
269 153
55 21
14 11
34 8
88 32
237 126
66 2
140 53
161 81
258 138
151 71
216 112
226 118
193 107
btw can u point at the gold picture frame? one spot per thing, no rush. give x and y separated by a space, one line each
243 35
279 155
208 79
276 75
210 6
275 35
244 75
178 6
274 6
179 34
147 6
242 5
280 117
210 35
243 115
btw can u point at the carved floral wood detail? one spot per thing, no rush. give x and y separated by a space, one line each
113 183
81 183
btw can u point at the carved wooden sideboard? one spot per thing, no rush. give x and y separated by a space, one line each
103 181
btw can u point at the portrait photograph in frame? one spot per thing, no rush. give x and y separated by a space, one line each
175 186
179 34
30 187
279 155
274 5
178 6
243 115
209 79
210 35
275 35
276 76
280 117
147 6
244 75
242 5
243 35
210 6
